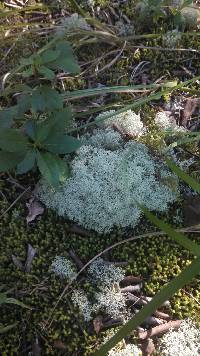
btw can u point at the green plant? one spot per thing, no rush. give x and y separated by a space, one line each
41 138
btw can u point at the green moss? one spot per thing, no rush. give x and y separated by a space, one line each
156 259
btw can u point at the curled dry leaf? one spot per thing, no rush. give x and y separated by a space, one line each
36 349
17 263
98 323
30 256
190 107
35 208
58 344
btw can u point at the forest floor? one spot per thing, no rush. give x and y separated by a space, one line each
124 47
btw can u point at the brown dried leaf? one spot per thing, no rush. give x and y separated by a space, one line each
190 106
17 263
30 255
35 208
130 280
98 323
36 349
191 211
58 344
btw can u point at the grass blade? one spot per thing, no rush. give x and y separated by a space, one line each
183 175
176 236
105 90
4 329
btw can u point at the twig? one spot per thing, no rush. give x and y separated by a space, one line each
130 289
15 201
78 230
76 259
130 280
161 315
114 60
160 329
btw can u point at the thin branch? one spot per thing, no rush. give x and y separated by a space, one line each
15 201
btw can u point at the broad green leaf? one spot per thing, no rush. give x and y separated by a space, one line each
55 124
23 103
66 60
63 119
61 144
27 73
46 72
44 128
165 293
7 116
27 163
46 99
27 61
9 160
50 55
52 168
184 176
30 129
4 329
12 140
176 236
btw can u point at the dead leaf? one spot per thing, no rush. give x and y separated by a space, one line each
30 255
148 347
58 344
17 263
98 323
36 349
190 106
191 211
35 208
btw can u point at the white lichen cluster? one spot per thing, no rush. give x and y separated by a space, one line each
106 186
108 299
121 349
63 267
185 341
72 24
111 301
105 274
80 299
129 122
107 139
128 350
166 122
172 38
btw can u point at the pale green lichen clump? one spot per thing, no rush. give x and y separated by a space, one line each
129 122
105 274
80 300
62 267
106 185
185 341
